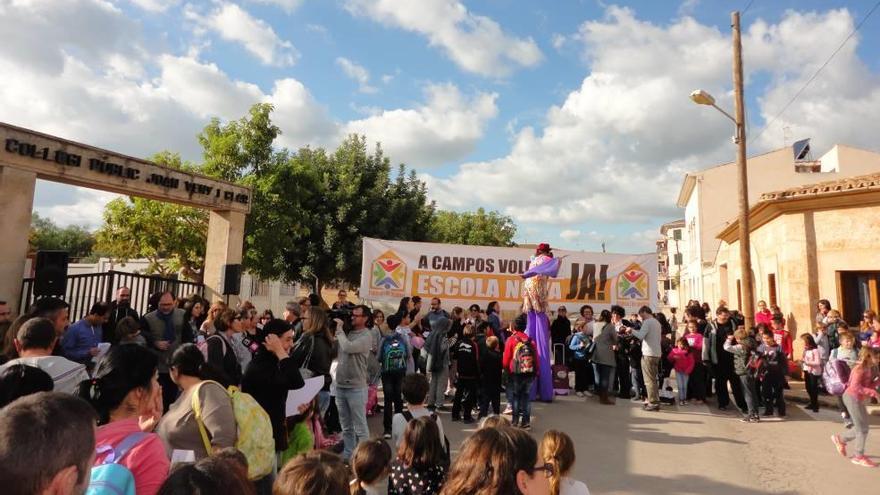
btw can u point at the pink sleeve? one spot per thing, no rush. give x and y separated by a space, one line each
149 464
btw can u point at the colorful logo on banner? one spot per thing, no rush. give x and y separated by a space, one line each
632 284
389 273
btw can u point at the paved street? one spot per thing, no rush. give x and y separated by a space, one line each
622 449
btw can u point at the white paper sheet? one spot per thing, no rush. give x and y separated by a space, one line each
300 396
103 347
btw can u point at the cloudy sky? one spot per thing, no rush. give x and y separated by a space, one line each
571 116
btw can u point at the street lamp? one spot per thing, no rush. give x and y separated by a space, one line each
703 98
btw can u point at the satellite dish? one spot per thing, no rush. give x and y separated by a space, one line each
801 150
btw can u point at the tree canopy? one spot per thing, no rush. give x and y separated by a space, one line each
477 228
45 235
310 208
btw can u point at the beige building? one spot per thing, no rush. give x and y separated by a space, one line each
709 198
813 242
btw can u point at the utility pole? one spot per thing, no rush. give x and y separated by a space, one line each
745 256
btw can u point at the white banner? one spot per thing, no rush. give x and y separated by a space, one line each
462 275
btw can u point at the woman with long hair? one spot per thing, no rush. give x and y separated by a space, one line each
862 386
126 394
605 338
207 326
315 350
499 461
421 464
221 353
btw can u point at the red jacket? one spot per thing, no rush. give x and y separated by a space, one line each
517 336
783 339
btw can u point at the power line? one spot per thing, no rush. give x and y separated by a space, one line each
748 5
818 71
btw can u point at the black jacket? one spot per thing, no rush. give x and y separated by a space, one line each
490 368
322 353
466 354
560 329
268 381
222 357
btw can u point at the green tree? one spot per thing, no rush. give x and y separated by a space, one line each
170 236
475 228
46 235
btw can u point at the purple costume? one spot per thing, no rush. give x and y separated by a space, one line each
540 271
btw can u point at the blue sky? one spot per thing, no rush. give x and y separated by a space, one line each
571 116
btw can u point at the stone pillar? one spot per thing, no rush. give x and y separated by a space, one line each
16 202
225 244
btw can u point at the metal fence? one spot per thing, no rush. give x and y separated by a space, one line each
84 290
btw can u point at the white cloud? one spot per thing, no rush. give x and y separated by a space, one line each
232 23
614 150
357 72
86 209
570 235
155 5
445 128
475 43
287 5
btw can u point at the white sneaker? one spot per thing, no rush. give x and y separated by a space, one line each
588 393
580 394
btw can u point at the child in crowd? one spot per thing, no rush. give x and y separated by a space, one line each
128 330
557 449
494 422
400 322
521 361
581 345
848 354
862 386
683 362
420 466
415 390
697 380
371 465
466 373
812 366
820 336
774 366
833 325
742 345
300 437
393 360
781 335
490 378
314 473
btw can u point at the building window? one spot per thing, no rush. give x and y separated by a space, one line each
857 292
259 288
677 259
676 234
771 289
739 294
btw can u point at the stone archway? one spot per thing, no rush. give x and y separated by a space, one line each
28 155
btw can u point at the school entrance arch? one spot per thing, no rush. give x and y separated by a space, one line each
27 155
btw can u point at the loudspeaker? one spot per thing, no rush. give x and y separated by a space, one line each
231 279
50 274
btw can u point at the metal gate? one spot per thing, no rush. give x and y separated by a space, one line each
84 290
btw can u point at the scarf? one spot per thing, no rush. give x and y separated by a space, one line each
169 325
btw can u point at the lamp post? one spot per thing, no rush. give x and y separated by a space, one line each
703 98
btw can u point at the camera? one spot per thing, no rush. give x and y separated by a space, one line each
343 314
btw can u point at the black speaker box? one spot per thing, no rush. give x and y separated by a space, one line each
50 274
231 280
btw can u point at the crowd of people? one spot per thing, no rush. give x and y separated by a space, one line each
192 396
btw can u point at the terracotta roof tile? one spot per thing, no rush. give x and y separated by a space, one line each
862 182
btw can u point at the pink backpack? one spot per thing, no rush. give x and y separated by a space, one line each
836 376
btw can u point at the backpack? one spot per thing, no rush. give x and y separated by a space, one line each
446 455
393 354
255 439
836 376
523 357
110 477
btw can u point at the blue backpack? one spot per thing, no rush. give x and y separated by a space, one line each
393 354
110 477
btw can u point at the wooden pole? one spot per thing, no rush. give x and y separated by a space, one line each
745 256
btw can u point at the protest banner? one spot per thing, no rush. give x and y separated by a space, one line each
461 275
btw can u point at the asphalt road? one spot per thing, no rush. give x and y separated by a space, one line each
697 450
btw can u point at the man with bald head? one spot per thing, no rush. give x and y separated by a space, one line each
164 327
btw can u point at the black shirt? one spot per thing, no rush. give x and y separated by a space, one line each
560 329
467 356
268 380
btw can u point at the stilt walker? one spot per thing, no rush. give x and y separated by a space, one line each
535 290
